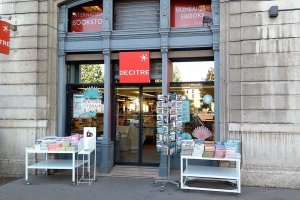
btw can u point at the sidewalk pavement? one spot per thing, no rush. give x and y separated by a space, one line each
111 188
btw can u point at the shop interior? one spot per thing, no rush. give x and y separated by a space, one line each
135 138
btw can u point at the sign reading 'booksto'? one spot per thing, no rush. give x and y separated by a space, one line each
87 17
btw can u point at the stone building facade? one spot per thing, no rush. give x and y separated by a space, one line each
259 67
258 84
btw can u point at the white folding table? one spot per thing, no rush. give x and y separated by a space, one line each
52 163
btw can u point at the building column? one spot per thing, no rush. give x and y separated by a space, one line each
61 107
61 94
164 34
163 166
216 94
106 150
165 72
107 155
216 45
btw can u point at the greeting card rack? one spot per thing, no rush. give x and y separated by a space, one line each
169 127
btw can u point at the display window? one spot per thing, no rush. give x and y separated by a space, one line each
189 13
86 17
201 104
85 98
195 80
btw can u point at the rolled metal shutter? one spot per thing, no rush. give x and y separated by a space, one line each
136 14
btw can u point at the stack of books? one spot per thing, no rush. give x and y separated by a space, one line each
220 150
232 149
199 148
209 149
187 147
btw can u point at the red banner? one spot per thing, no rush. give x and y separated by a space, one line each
4 37
134 67
189 13
87 17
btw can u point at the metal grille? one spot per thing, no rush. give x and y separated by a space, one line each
136 14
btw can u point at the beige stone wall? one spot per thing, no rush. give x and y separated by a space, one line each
260 84
27 80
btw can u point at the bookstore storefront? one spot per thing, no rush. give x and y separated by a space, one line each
134 107
114 67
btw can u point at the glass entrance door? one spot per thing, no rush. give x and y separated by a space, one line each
127 124
136 125
149 154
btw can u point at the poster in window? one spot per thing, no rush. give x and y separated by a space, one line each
88 103
189 13
87 17
185 111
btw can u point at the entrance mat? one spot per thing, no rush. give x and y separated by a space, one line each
132 171
6 179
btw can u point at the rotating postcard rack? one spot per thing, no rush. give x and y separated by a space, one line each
169 129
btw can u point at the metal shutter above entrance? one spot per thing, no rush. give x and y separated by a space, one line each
136 14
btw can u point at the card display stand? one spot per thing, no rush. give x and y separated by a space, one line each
88 171
88 168
169 126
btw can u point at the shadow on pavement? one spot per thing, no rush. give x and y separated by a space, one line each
7 179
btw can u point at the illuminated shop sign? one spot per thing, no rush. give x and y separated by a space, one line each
189 13
134 67
4 37
87 17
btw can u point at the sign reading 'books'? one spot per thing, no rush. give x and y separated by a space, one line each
189 13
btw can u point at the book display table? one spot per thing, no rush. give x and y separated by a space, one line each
190 172
46 164
72 145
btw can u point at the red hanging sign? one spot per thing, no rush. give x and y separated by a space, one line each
134 67
4 37
189 13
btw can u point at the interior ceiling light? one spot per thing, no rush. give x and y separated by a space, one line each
88 8
98 8
92 8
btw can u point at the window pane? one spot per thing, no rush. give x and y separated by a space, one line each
201 107
91 73
87 17
193 71
189 13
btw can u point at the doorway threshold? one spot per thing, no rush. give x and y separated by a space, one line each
132 171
